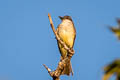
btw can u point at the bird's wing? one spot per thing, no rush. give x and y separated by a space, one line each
74 35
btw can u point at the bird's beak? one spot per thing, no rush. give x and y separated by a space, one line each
61 17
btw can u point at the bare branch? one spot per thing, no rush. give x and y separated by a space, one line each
48 69
56 74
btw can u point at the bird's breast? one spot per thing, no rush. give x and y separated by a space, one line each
67 34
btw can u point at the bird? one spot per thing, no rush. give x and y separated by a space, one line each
67 33
116 30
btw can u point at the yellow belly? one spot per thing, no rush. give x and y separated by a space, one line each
68 38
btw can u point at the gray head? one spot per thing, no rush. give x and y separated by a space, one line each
65 17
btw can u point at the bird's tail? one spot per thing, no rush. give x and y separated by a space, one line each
68 68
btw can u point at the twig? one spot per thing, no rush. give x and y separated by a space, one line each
48 69
56 74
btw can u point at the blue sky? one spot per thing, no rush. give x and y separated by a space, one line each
27 40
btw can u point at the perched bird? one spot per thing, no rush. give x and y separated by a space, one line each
67 34
117 29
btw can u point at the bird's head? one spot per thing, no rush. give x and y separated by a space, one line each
65 17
